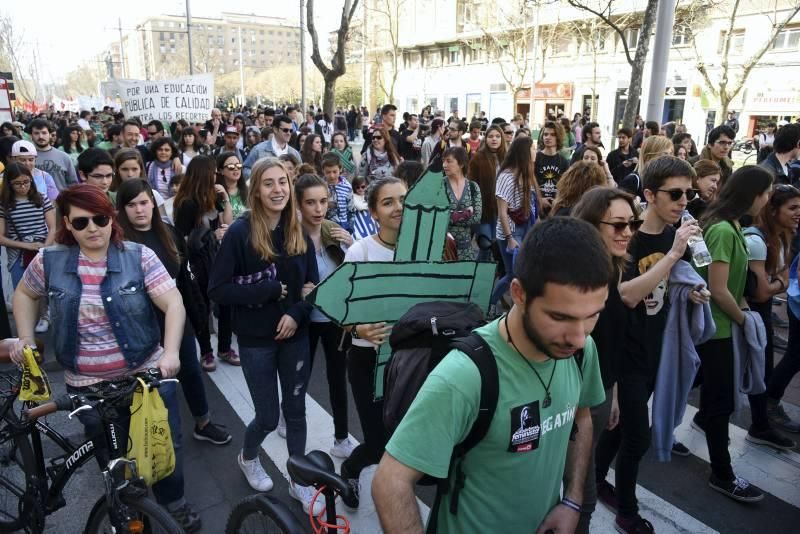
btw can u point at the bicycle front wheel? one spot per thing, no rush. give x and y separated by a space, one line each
16 459
156 520
262 514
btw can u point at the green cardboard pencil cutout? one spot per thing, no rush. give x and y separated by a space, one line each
374 292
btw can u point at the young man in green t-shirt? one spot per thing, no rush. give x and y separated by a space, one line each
513 476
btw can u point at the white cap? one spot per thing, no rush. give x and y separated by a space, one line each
23 148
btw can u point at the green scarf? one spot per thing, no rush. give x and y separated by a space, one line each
346 157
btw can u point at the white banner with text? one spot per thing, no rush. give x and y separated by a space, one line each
190 98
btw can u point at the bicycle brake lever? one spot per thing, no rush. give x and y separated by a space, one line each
80 409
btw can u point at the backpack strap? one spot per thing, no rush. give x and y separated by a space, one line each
476 348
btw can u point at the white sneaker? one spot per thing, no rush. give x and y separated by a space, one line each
304 494
254 472
281 426
342 448
42 326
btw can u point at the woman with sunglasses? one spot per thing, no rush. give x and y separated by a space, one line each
769 249
201 202
103 293
230 176
746 192
613 213
381 158
268 262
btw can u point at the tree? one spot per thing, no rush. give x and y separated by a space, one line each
83 80
592 37
11 41
603 9
726 82
386 36
338 66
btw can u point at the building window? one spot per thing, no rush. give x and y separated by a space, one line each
560 44
632 37
162 49
787 39
737 42
433 58
454 56
172 36
162 36
681 36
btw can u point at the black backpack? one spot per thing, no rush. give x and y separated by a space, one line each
419 341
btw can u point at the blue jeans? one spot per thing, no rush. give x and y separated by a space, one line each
289 359
488 230
504 283
170 489
191 377
16 271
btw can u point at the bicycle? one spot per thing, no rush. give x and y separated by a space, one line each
30 490
262 513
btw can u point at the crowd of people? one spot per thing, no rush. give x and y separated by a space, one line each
123 239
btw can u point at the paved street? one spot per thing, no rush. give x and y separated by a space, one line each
674 496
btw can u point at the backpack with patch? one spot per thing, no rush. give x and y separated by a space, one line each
419 341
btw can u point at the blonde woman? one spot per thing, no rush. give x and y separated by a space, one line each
653 147
269 260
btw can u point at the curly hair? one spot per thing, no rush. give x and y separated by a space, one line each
579 178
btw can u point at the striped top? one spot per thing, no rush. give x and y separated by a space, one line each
99 355
26 222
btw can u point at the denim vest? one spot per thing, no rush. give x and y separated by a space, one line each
125 300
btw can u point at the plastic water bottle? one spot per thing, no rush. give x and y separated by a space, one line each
700 254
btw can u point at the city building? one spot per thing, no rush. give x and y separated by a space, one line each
157 47
481 55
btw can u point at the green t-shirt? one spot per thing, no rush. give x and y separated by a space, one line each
513 489
726 244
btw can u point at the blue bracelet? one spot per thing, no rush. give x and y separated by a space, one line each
571 504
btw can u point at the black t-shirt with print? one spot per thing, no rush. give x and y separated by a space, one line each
548 171
609 334
647 321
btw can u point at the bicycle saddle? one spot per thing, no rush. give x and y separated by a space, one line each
316 469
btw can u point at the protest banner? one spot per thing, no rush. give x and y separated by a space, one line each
190 98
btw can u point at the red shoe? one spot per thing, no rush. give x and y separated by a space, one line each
207 362
230 357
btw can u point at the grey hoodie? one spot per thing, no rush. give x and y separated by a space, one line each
688 325
749 343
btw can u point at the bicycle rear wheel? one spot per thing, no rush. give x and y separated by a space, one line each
262 514
156 520
16 461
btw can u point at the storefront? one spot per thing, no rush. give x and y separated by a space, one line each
769 105
550 99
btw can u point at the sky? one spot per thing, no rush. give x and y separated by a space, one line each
67 33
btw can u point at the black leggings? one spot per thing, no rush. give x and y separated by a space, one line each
336 367
361 363
224 331
790 364
716 402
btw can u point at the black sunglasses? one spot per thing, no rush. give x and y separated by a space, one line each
233 166
80 223
285 130
676 194
620 226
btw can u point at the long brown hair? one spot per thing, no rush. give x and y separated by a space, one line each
579 178
777 239
131 189
123 155
309 155
8 198
482 170
593 206
260 234
519 162
198 185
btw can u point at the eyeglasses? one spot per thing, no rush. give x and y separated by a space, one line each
233 166
80 223
620 226
20 185
377 138
151 133
285 130
676 194
101 176
509 132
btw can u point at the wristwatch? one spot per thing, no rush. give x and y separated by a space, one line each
354 332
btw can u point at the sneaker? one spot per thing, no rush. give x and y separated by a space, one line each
680 449
187 518
737 489
305 494
342 448
778 417
229 357
352 501
771 438
42 326
607 494
281 426
212 433
207 362
634 524
254 472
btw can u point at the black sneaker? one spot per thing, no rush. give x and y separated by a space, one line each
187 518
737 489
680 449
212 433
635 524
778 417
771 438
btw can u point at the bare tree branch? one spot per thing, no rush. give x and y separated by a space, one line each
606 16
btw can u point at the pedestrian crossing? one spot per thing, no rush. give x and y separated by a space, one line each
777 473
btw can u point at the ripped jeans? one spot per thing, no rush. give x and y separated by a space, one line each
290 360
